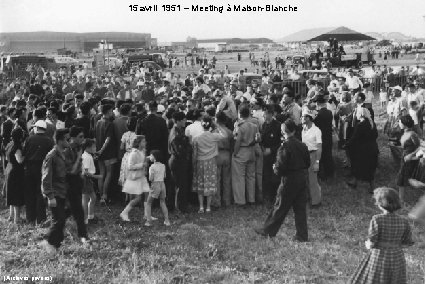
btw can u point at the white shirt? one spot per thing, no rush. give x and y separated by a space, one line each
203 87
415 97
194 130
413 115
248 96
259 115
87 163
353 82
311 137
369 97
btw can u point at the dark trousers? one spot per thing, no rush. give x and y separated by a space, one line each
270 180
326 165
179 171
55 236
292 193
35 204
75 183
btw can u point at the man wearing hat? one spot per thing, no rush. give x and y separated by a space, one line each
324 121
311 136
270 142
36 148
154 127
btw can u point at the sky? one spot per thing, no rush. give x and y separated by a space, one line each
405 16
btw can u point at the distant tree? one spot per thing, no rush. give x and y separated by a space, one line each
384 42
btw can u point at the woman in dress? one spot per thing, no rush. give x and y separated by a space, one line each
126 147
410 143
363 149
136 182
15 183
387 235
204 155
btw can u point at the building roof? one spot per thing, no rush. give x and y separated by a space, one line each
323 34
305 35
54 36
237 40
342 34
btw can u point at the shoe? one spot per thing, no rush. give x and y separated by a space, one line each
201 211
102 201
93 221
148 224
316 206
167 223
50 249
124 217
208 210
152 218
299 239
261 232
415 183
351 184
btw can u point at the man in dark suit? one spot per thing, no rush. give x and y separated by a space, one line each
324 121
154 127
292 165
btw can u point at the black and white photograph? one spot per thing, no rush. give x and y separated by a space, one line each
189 141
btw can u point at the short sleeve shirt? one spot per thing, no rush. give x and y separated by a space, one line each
312 137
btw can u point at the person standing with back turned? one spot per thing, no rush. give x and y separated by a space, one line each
292 165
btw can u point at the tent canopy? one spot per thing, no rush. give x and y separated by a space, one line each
341 34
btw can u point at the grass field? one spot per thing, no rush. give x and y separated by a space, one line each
220 247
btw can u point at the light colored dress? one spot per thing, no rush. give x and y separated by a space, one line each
136 182
127 139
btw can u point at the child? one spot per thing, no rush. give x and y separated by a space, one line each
157 173
89 170
383 98
126 147
388 233
135 183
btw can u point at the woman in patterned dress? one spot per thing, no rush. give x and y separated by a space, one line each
204 155
387 235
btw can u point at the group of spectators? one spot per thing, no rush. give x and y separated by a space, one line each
73 135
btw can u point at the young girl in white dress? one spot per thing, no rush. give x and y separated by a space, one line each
136 182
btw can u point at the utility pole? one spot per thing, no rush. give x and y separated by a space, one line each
106 41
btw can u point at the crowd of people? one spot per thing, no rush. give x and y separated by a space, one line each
78 138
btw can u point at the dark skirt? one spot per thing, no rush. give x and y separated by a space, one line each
364 162
407 170
15 186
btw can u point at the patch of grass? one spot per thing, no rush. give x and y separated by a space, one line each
220 247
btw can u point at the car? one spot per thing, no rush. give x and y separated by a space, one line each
152 65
